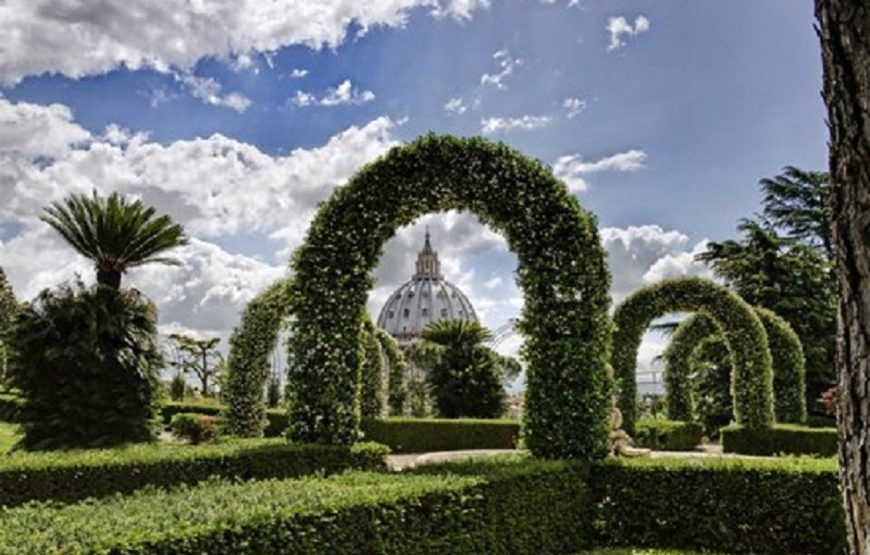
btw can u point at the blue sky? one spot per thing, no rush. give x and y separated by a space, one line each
673 120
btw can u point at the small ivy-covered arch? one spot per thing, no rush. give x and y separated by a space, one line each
562 270
251 346
752 380
789 370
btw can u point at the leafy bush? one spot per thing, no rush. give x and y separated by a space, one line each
177 388
529 508
668 435
418 435
743 331
786 439
86 361
731 505
75 475
11 407
169 410
195 428
273 392
562 270
372 373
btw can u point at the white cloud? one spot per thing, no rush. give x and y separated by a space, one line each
573 107
77 38
344 94
298 73
619 27
32 130
506 64
490 126
572 169
456 105
208 90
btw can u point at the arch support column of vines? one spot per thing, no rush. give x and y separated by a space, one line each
251 345
789 371
752 378
562 271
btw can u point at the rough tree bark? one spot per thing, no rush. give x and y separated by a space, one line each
844 31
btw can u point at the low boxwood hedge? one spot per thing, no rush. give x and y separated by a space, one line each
75 475
421 435
785 439
668 435
510 508
765 507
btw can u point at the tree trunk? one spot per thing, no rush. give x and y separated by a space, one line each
845 38
109 278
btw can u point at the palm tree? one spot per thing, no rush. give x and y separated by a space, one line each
116 234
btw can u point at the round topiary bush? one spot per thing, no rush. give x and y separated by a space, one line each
789 373
562 271
752 379
251 345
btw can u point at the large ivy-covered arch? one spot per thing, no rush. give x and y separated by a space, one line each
562 271
752 378
789 372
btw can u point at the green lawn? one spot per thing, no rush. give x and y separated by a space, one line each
8 436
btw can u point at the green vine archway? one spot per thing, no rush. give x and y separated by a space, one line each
562 271
752 379
789 372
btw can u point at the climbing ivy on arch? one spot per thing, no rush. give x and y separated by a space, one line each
752 380
789 371
562 270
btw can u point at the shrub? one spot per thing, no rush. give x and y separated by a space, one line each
562 270
788 439
195 428
372 373
668 435
530 508
11 407
177 388
730 505
86 362
75 475
418 435
273 392
168 410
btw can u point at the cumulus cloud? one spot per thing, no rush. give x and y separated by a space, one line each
619 27
573 107
506 64
208 90
344 94
456 105
573 169
298 73
490 126
78 38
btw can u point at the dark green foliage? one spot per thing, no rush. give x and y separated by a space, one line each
168 410
781 439
786 354
70 476
251 345
273 392
114 233
464 376
712 385
199 357
562 271
752 382
793 280
373 370
796 202
11 407
667 435
9 308
86 362
419 435
397 391
497 509
177 387
734 506
195 428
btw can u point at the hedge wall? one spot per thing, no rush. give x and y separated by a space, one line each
419 435
75 475
752 380
732 506
530 508
789 372
668 435
781 439
251 345
562 271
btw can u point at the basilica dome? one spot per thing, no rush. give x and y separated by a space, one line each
427 297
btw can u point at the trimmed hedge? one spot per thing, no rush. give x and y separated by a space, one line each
508 508
668 435
75 475
785 439
419 435
562 271
765 507
752 379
